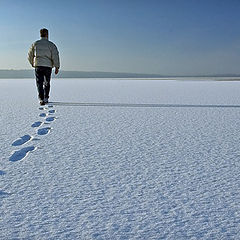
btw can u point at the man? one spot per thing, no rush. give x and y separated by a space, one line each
43 56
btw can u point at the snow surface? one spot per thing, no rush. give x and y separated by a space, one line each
120 159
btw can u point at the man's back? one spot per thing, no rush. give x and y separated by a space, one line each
44 53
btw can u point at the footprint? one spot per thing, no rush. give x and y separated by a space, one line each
50 119
36 124
42 108
42 115
2 173
50 106
52 111
43 131
21 154
3 194
22 140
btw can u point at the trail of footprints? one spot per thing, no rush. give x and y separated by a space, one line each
42 128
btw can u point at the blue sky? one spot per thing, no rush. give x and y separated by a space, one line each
143 36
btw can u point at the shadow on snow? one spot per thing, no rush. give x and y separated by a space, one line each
143 105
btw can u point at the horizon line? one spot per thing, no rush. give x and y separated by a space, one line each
135 73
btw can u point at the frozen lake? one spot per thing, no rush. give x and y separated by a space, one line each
120 159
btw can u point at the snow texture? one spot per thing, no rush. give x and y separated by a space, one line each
120 159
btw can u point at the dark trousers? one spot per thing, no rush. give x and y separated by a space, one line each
43 77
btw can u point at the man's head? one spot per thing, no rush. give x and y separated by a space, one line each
44 32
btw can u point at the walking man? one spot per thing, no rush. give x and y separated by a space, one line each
43 56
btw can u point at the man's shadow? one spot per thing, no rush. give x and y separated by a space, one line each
142 105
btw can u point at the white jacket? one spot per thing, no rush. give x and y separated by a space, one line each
44 53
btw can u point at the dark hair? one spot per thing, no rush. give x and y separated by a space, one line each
43 32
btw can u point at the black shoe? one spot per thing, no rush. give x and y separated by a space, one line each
46 100
42 102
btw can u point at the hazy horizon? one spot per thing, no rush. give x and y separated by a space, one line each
28 73
151 37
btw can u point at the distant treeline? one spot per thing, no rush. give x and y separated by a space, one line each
84 74
75 74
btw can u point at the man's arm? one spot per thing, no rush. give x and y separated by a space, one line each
31 55
55 58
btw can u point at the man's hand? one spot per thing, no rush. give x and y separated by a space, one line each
56 70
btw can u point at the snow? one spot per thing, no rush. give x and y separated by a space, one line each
120 159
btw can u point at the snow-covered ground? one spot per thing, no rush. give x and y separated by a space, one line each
120 159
